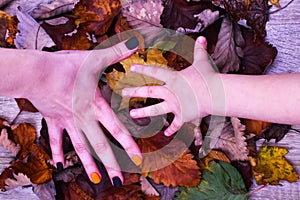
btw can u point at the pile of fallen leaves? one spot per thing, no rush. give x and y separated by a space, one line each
221 161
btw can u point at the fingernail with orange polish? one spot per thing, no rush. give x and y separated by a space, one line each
137 160
95 178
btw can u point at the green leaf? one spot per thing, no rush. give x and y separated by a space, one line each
223 181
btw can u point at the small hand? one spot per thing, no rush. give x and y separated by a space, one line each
186 93
67 96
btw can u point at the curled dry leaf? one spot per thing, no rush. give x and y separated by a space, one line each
167 161
276 131
25 105
8 144
31 35
8 29
271 166
53 8
255 126
19 180
227 52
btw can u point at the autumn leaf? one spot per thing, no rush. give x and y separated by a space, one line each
8 144
167 161
25 105
77 41
31 35
228 49
96 16
255 126
53 8
276 131
254 12
120 80
222 181
19 180
183 15
271 166
7 173
8 29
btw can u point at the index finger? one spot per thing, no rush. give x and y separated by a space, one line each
152 71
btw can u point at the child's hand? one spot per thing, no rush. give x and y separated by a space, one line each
65 92
185 93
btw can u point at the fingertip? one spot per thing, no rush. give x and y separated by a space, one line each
202 41
132 43
95 177
59 166
133 113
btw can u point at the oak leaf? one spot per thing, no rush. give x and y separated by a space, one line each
19 180
271 166
167 161
222 181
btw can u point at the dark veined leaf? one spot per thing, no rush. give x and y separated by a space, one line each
222 181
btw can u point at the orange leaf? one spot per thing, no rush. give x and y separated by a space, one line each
24 134
25 105
255 126
166 160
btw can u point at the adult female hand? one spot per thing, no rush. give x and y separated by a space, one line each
63 87
186 93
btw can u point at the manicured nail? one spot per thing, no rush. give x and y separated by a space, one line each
117 182
59 166
137 160
132 43
95 178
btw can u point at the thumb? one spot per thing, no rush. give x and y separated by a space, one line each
119 51
200 53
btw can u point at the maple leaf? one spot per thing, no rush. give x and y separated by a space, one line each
222 181
8 29
254 12
96 16
31 35
120 80
228 48
271 166
167 161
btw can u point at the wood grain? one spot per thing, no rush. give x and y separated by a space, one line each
283 31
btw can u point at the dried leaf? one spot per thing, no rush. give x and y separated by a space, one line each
167 161
25 105
271 166
218 155
120 80
19 180
45 190
144 17
147 188
276 131
77 41
8 144
183 15
6 174
255 126
226 54
8 29
254 12
258 55
31 35
275 2
221 182
53 8
96 16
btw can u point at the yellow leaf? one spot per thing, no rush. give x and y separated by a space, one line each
275 2
271 166
9 24
120 80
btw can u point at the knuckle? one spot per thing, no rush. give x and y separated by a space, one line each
80 148
100 147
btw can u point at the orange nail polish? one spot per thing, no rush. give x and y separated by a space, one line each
137 160
95 178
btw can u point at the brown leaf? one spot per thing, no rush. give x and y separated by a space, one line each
227 52
6 174
77 41
258 55
218 155
25 105
183 14
255 126
255 12
96 16
276 131
167 161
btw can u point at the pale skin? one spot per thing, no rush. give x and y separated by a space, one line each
198 91
58 84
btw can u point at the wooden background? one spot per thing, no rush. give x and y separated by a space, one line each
283 31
